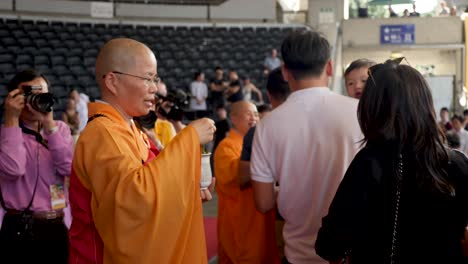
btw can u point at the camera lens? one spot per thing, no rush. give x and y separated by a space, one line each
42 102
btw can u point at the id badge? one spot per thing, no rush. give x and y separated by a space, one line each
57 196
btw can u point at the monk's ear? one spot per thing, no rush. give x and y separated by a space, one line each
329 68
111 82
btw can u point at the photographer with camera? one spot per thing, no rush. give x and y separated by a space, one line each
171 108
163 129
164 120
35 156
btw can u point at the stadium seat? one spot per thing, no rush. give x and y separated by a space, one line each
68 50
74 60
6 58
89 61
78 70
4 33
60 70
71 27
43 68
24 58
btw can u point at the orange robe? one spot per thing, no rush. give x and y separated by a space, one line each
144 213
244 234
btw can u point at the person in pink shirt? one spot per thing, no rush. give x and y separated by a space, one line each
35 157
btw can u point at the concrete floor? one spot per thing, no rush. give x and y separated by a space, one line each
210 209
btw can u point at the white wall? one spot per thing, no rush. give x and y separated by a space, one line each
444 60
240 10
428 30
6 5
54 6
245 9
447 63
316 5
161 11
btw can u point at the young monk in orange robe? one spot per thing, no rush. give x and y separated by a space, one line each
127 205
244 235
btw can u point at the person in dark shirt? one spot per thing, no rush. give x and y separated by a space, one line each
445 119
405 194
414 13
392 13
277 92
222 128
217 87
234 92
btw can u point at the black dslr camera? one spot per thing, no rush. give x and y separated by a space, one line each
146 121
172 106
41 102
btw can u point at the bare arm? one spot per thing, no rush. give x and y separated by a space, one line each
258 92
264 195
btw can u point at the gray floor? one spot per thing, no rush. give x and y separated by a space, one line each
210 208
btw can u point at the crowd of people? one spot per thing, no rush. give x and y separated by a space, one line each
444 9
317 176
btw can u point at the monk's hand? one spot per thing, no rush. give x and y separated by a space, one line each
205 129
212 185
205 195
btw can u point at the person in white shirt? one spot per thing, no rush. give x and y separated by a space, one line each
305 145
457 123
199 92
250 88
82 101
271 62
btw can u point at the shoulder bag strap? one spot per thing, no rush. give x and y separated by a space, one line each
399 179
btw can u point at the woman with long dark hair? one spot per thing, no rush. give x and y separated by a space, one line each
404 198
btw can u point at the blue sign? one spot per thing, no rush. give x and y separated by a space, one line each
397 34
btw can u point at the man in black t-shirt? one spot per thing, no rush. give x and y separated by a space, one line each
222 128
414 13
217 87
234 92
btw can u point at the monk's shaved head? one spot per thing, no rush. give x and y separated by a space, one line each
126 71
121 54
240 107
244 115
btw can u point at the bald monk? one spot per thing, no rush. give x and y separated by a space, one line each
127 205
242 231
277 92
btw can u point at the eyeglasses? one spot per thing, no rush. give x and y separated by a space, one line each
155 80
392 62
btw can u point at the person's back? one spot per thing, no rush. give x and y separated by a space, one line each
306 144
404 198
428 223
310 155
